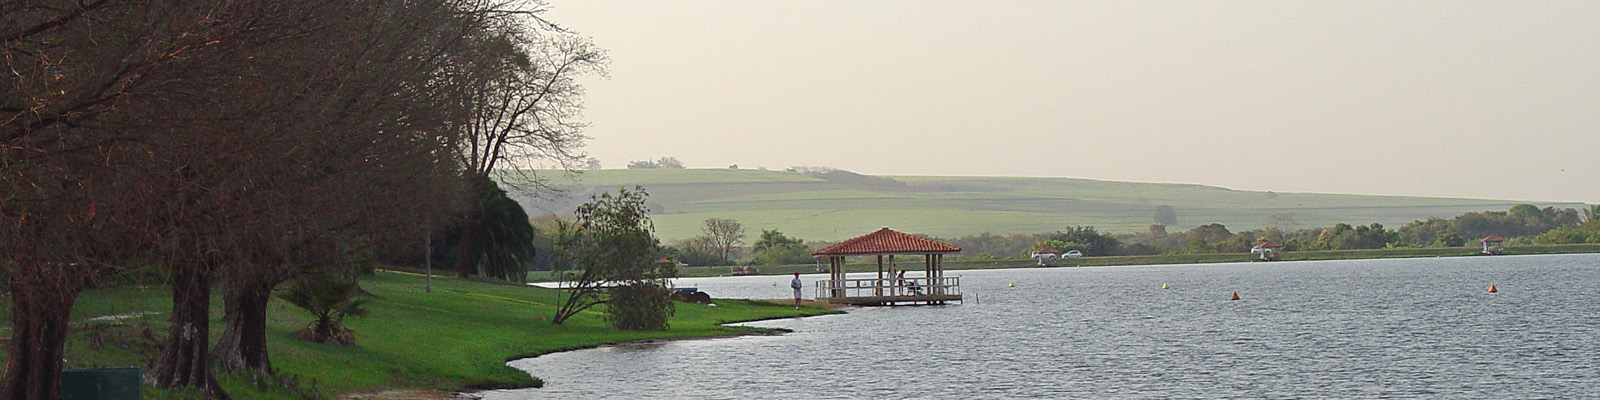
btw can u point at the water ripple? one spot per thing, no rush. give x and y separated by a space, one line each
1347 329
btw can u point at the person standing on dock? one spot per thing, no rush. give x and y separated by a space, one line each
795 283
900 283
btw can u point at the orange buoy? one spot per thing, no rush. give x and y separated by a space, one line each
1491 289
1235 296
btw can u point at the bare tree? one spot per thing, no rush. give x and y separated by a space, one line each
80 76
368 143
524 106
241 141
1165 215
724 233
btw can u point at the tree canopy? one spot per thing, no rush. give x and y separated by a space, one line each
612 243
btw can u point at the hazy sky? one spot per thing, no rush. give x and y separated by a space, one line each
1450 98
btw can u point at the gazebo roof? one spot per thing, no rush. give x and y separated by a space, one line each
1046 250
886 241
1270 244
1493 238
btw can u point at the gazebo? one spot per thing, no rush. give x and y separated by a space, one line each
931 287
1491 244
1042 251
1268 251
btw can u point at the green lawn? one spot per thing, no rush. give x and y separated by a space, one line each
459 336
813 209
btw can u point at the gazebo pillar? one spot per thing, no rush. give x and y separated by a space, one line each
843 273
879 284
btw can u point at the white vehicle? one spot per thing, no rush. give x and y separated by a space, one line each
1072 254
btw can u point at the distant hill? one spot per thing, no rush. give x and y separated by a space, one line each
835 206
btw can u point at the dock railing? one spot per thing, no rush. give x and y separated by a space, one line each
874 287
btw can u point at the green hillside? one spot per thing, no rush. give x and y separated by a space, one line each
842 207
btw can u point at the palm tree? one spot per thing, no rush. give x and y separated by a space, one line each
330 300
496 238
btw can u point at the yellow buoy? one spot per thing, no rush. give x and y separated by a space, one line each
774 284
1012 284
1163 285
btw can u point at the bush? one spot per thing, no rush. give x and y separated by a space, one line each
1449 240
1139 249
640 307
790 253
330 300
1588 232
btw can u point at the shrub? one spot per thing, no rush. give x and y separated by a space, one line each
330 300
640 307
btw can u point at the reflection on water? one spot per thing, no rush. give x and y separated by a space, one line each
1337 329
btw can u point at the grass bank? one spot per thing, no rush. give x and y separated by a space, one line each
457 337
862 264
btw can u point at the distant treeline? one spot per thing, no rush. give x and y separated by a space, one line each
1522 224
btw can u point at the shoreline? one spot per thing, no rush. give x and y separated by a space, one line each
1173 259
416 344
470 393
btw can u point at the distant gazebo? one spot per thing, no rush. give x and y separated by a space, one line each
931 287
1491 244
1268 251
1043 252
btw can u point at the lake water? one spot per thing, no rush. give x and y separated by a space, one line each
1415 328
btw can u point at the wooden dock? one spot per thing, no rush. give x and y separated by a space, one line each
893 287
890 292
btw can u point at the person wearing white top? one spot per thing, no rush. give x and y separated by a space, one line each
795 283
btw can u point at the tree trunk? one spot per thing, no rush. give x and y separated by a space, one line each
243 343
39 334
184 359
324 330
468 251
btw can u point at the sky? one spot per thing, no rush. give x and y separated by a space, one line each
1494 100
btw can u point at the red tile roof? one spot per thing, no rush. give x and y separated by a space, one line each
1493 238
1046 250
886 241
1269 244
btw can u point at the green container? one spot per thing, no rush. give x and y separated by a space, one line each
101 383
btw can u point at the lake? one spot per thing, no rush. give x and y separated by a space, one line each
1411 328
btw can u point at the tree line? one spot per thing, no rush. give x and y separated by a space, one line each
235 147
1522 224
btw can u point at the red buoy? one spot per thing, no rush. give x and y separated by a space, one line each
1491 289
1235 296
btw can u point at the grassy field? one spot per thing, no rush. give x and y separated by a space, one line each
459 336
815 209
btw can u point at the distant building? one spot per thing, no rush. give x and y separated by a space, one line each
1045 251
1267 251
1491 244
